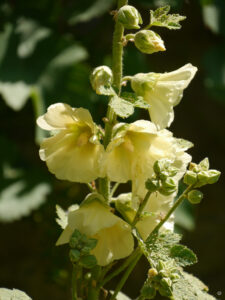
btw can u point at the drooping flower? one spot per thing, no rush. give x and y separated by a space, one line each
135 148
95 220
163 91
73 152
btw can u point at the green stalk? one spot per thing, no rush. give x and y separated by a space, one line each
74 283
176 204
156 229
125 264
140 209
117 68
125 276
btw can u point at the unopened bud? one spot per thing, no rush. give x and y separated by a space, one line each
168 187
164 169
195 196
148 291
207 177
152 273
129 17
101 77
88 261
190 178
147 41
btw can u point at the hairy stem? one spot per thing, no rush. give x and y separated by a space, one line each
176 204
140 209
117 68
125 276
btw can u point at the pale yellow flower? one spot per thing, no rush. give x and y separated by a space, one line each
163 91
73 153
95 220
135 148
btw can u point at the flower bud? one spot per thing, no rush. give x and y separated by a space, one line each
147 41
129 17
195 196
207 177
168 187
190 178
164 169
148 291
152 185
152 273
100 77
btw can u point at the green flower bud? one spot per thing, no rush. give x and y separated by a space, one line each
74 255
166 282
168 187
195 196
152 185
190 177
207 177
164 169
148 291
148 41
88 261
152 273
129 17
100 77
89 245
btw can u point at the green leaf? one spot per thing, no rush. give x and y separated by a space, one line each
160 17
6 294
182 255
189 287
97 9
137 101
121 107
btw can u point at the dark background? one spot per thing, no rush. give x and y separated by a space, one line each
47 50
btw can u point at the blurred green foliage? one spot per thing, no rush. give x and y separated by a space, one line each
47 50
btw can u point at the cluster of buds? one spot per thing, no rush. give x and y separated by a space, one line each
146 41
198 176
163 180
81 246
160 278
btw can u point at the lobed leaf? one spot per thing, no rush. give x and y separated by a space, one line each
160 17
121 107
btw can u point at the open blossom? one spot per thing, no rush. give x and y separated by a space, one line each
73 153
163 91
135 148
95 220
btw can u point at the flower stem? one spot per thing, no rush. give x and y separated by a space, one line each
117 68
125 276
74 283
140 209
125 264
176 204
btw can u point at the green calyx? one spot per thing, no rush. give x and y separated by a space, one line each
129 17
200 175
195 196
147 41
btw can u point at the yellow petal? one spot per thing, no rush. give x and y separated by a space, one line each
69 159
114 236
58 116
